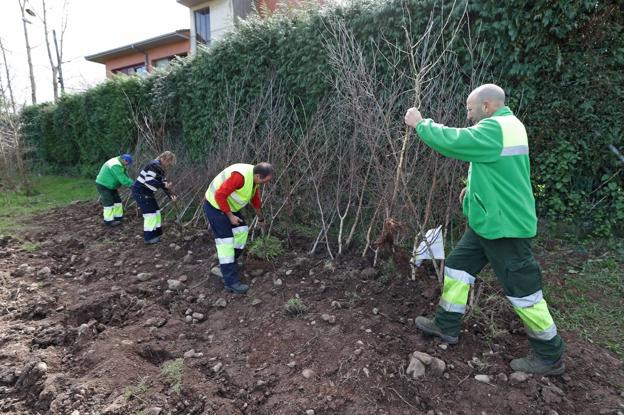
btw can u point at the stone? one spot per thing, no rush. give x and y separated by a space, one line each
310 412
375 311
175 285
217 368
518 377
443 346
144 276
369 273
416 368
216 271
183 278
75 412
188 319
307 373
24 270
423 357
288 272
198 316
437 367
291 364
482 378
328 318
220 302
188 258
258 272
154 410
278 282
336 304
256 301
191 354
44 272
155 322
550 396
116 406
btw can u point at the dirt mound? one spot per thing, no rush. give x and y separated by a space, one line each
92 321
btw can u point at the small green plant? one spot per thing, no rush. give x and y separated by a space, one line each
295 307
172 371
266 248
387 271
352 297
30 246
136 390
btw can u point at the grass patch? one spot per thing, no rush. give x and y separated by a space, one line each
591 302
266 248
30 246
295 307
136 390
172 371
46 192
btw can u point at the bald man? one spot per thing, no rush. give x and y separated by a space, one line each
498 202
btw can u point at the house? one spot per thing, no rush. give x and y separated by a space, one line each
211 19
142 57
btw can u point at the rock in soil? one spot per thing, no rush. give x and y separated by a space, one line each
416 368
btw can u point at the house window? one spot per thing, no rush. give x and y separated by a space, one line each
139 69
162 63
202 25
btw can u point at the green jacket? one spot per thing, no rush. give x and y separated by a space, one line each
499 200
113 174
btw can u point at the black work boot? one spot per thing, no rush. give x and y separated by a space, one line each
534 364
429 327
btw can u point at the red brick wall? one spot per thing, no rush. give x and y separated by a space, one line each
272 4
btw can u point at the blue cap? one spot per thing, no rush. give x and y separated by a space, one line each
127 158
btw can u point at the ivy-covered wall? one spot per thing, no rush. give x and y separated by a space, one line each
560 62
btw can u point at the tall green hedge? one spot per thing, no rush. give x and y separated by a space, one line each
560 62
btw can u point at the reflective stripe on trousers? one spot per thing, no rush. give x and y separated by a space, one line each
152 221
533 312
240 236
225 250
109 214
456 288
118 210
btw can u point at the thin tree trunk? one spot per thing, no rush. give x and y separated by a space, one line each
33 87
8 75
53 67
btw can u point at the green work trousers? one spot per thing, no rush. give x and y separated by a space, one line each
520 276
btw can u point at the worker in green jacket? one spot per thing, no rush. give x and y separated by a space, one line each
498 202
112 175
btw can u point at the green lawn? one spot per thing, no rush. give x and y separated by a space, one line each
584 287
47 192
591 299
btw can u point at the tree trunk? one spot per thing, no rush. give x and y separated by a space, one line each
33 87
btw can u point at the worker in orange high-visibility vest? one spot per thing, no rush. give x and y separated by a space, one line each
229 192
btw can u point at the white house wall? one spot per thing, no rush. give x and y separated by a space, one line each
221 20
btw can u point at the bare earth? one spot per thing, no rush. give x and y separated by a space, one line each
91 335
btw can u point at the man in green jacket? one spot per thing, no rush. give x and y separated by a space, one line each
498 202
112 175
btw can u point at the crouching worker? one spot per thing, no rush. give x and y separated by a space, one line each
152 178
112 175
227 194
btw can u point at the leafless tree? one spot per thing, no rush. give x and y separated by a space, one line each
12 166
55 60
33 87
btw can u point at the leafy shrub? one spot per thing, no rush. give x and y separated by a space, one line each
266 248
